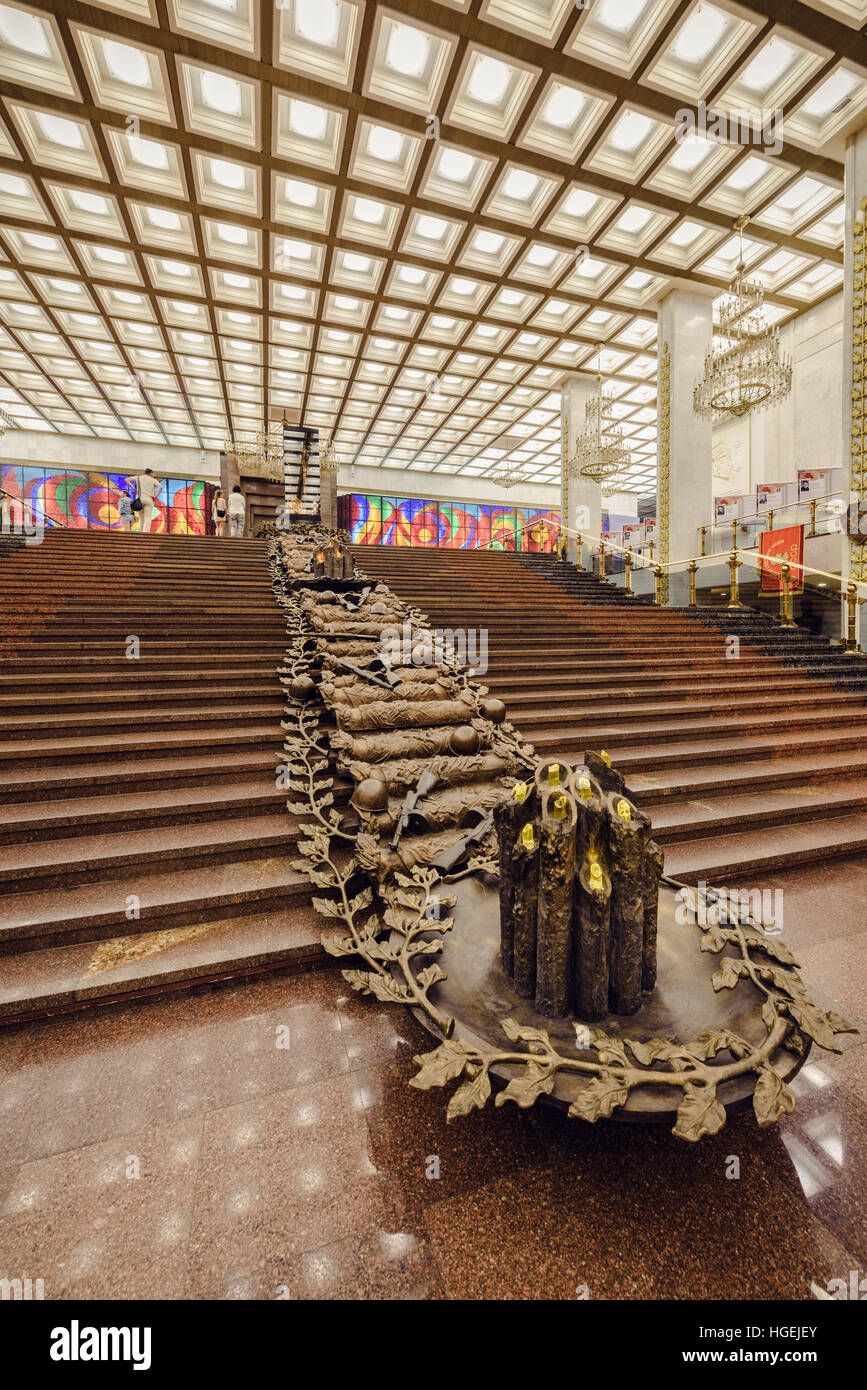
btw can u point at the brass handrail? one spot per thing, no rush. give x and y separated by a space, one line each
752 556
28 505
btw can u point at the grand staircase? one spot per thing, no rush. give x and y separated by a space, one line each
144 842
746 764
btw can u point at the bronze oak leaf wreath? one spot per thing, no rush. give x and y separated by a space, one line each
391 927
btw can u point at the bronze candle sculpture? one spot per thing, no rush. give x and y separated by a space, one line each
579 879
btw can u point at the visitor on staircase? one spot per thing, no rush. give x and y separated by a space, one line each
237 509
218 512
147 487
125 512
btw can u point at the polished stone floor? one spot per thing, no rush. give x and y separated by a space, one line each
301 1171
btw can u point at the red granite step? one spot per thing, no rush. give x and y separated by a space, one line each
60 978
193 770
759 851
689 818
105 855
137 743
23 823
122 678
133 698
210 712
725 755
149 780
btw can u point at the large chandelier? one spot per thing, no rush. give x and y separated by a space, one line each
746 372
259 452
600 452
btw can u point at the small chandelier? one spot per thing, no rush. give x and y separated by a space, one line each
508 475
600 453
328 460
260 452
747 371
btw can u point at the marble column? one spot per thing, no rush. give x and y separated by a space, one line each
684 468
854 557
580 498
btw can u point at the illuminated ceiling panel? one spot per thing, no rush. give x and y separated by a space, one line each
393 221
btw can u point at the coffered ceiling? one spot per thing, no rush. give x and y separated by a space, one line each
403 222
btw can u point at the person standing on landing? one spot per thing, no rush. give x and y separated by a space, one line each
147 488
219 512
125 512
237 511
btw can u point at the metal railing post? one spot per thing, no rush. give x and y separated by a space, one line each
851 610
786 618
734 566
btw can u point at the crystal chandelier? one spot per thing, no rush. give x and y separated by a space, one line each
600 452
328 460
507 475
259 452
746 372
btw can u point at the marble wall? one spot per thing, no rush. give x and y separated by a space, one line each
73 451
445 487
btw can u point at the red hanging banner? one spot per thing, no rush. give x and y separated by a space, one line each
776 546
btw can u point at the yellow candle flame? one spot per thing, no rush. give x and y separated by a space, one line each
519 791
585 788
527 838
554 775
596 875
623 809
560 808
606 758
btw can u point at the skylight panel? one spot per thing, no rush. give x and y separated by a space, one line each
385 144
489 80
60 131
691 152
768 65
630 131
221 93
228 175
126 64
830 93
455 165
563 107
318 21
24 32
407 50
307 120
520 184
620 16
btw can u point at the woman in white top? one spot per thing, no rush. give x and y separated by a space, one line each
237 511
218 512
